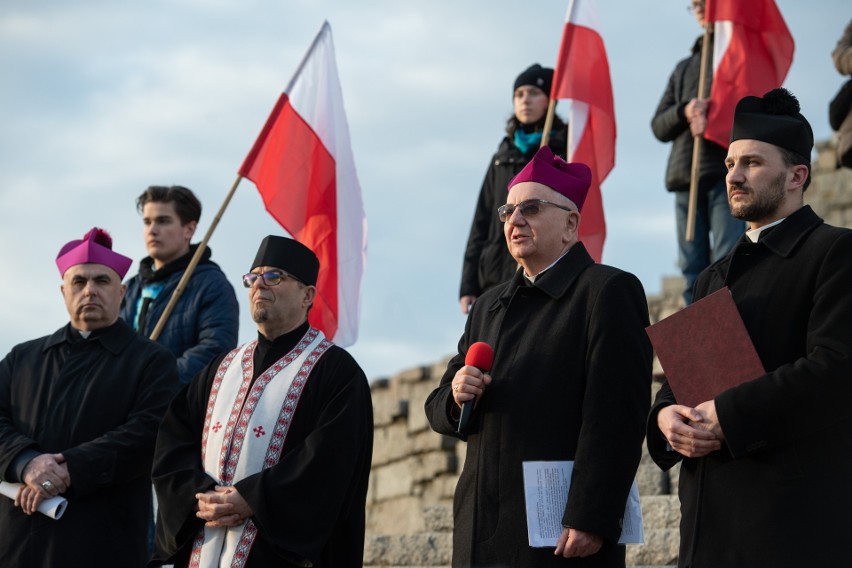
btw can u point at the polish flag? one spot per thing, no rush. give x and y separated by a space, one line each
752 52
582 76
302 165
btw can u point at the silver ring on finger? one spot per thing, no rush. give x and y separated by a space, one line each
47 485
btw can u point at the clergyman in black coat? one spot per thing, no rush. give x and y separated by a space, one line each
79 411
570 381
766 464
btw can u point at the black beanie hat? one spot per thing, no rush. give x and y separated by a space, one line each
537 76
775 119
290 256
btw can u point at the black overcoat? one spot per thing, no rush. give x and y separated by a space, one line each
782 477
98 402
571 381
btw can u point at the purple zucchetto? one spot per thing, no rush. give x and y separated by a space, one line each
570 179
94 248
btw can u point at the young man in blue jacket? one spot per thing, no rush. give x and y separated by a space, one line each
205 320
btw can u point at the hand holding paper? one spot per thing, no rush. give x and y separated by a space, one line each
54 507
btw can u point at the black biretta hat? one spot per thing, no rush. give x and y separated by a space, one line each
774 118
288 255
537 76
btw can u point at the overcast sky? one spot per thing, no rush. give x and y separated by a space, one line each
100 99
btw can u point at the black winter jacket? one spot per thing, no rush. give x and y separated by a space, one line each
670 125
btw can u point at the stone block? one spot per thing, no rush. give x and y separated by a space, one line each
411 375
427 549
391 443
651 479
439 517
387 406
427 466
391 480
441 488
429 440
661 511
416 394
403 515
674 477
660 548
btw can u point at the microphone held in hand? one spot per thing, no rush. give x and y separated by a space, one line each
481 356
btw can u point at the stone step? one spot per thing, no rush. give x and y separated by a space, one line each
426 549
660 548
435 549
660 511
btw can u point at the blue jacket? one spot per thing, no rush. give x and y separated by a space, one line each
205 321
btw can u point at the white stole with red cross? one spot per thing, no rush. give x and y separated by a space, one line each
244 432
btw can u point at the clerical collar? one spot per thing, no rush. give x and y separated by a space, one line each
532 279
754 234
268 352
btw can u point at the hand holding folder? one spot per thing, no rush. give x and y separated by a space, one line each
705 349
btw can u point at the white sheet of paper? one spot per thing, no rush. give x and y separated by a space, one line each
53 507
546 486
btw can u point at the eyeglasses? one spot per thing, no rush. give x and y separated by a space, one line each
269 278
529 208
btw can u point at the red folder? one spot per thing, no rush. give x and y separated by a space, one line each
704 349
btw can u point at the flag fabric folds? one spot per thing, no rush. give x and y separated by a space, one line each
582 75
752 52
303 167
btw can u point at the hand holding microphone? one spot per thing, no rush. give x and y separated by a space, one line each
470 381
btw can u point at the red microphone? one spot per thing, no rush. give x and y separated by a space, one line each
481 356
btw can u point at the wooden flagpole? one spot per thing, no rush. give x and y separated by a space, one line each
196 258
551 107
698 140
548 123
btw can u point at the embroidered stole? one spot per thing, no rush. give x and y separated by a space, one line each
244 431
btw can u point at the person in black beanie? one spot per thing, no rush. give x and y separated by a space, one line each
766 463
487 262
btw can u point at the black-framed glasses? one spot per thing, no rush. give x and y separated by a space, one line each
269 278
529 208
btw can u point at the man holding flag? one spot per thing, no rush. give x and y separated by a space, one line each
680 117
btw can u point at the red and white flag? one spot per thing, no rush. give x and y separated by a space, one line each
302 165
752 52
582 75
